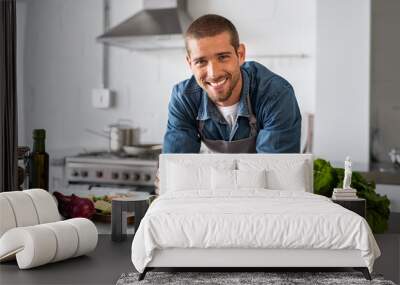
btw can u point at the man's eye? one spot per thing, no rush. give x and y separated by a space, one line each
200 62
223 57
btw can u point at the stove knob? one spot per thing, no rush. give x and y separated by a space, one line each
75 173
99 174
147 177
84 173
115 175
136 177
125 176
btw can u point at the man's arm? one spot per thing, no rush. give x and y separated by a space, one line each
281 123
181 135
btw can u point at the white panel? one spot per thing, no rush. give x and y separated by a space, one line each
342 90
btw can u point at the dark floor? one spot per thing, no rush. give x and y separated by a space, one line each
111 259
103 266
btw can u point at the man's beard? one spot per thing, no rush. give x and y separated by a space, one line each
220 98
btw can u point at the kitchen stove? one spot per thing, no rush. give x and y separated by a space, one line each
113 171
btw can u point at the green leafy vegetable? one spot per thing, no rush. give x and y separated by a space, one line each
327 177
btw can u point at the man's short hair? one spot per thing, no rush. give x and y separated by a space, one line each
211 25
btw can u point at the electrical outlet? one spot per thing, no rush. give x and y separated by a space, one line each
101 98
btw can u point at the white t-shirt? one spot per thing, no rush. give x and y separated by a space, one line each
229 113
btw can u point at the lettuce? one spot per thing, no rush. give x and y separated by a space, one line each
327 177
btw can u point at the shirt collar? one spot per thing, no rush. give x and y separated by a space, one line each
208 109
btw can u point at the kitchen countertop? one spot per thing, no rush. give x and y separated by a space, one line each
383 173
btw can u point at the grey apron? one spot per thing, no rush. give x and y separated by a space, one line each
247 145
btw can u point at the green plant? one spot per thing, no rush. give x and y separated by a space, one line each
327 177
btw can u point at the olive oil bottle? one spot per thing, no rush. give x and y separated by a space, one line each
39 162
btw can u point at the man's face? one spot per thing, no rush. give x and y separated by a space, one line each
216 66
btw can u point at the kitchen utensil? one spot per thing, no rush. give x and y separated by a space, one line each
141 148
119 134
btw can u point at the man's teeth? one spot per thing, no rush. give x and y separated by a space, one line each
216 84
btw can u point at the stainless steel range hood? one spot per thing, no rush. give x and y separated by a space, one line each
160 25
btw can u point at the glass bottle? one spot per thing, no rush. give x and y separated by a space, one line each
39 162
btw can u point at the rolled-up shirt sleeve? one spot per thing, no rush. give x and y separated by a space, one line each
280 120
181 135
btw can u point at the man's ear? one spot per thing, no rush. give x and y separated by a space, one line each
241 51
188 60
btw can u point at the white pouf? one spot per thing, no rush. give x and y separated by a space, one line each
31 231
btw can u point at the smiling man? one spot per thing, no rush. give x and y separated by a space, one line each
230 105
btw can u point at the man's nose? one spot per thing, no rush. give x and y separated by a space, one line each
213 69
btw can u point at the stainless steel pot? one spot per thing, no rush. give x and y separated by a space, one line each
121 134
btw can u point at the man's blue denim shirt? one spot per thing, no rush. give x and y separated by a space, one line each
273 102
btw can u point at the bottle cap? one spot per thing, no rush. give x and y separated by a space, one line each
39 134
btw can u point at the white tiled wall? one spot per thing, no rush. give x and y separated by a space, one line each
62 63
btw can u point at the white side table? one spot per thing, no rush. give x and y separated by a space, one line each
120 207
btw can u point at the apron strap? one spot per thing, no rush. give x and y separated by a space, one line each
252 118
200 126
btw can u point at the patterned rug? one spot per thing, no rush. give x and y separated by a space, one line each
242 278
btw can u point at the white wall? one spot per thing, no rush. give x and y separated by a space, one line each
342 89
63 63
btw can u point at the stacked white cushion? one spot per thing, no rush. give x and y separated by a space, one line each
66 237
27 208
24 211
41 244
282 174
7 218
45 205
34 244
87 235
